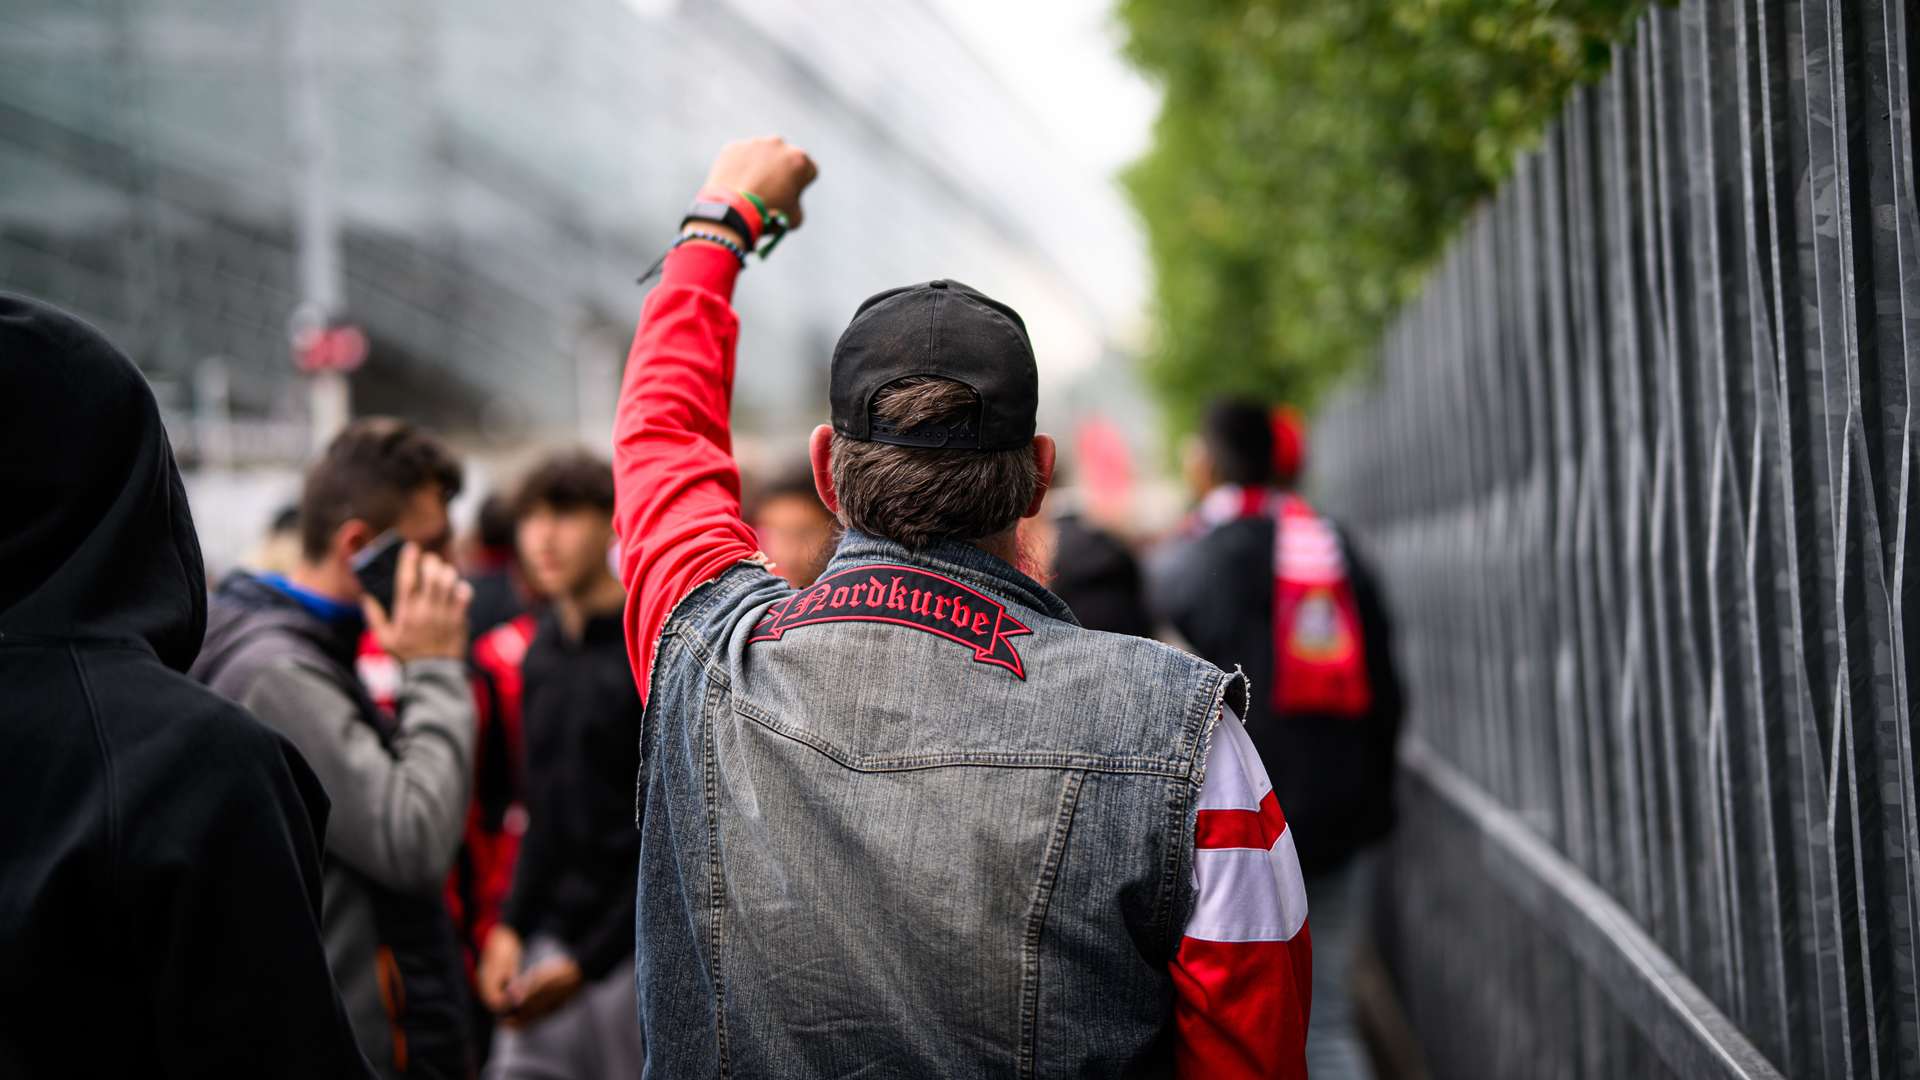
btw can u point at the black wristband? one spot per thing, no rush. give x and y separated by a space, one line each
718 213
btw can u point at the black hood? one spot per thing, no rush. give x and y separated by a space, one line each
96 540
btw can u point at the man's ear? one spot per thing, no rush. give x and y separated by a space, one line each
1043 458
820 453
352 535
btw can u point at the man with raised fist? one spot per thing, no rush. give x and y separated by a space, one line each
913 820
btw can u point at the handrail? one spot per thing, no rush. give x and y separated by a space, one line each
1693 1037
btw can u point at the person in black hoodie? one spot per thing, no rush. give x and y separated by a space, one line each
160 858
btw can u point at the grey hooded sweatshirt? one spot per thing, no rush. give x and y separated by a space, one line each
399 791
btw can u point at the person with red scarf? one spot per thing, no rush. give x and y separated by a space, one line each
1257 577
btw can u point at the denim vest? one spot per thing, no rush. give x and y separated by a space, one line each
913 821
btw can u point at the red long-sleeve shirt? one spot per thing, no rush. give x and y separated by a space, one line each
1242 976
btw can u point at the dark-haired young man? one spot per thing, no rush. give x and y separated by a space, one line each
284 647
558 967
912 820
1258 578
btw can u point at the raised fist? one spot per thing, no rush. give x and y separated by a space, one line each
769 167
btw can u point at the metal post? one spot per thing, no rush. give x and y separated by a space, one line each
316 220
212 413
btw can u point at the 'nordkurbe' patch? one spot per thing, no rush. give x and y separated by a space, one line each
902 596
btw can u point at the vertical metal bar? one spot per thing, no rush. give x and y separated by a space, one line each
1760 753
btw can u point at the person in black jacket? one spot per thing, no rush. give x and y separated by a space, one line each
492 568
558 968
160 854
1217 583
1098 577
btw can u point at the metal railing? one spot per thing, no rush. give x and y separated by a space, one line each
1638 468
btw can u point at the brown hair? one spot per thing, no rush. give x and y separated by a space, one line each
568 480
368 472
915 496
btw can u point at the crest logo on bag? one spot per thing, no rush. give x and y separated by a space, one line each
1319 633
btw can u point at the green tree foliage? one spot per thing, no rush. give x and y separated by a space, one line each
1313 156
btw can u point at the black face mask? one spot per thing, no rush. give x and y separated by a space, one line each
96 540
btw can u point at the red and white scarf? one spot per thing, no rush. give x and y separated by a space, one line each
1319 658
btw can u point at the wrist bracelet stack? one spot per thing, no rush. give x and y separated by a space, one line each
742 211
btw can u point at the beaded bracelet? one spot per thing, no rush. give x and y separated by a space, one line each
739 252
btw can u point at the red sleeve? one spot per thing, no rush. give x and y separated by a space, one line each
1243 978
676 488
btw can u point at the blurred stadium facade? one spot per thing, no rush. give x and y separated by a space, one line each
477 190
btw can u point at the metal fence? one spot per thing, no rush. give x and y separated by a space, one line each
1638 468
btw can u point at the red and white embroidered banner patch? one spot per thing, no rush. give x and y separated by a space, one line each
902 596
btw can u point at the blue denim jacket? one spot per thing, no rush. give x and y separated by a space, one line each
913 821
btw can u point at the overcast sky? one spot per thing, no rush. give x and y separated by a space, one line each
1063 58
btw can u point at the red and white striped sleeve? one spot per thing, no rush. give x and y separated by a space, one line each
1243 978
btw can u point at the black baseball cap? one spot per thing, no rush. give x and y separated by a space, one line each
946 330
